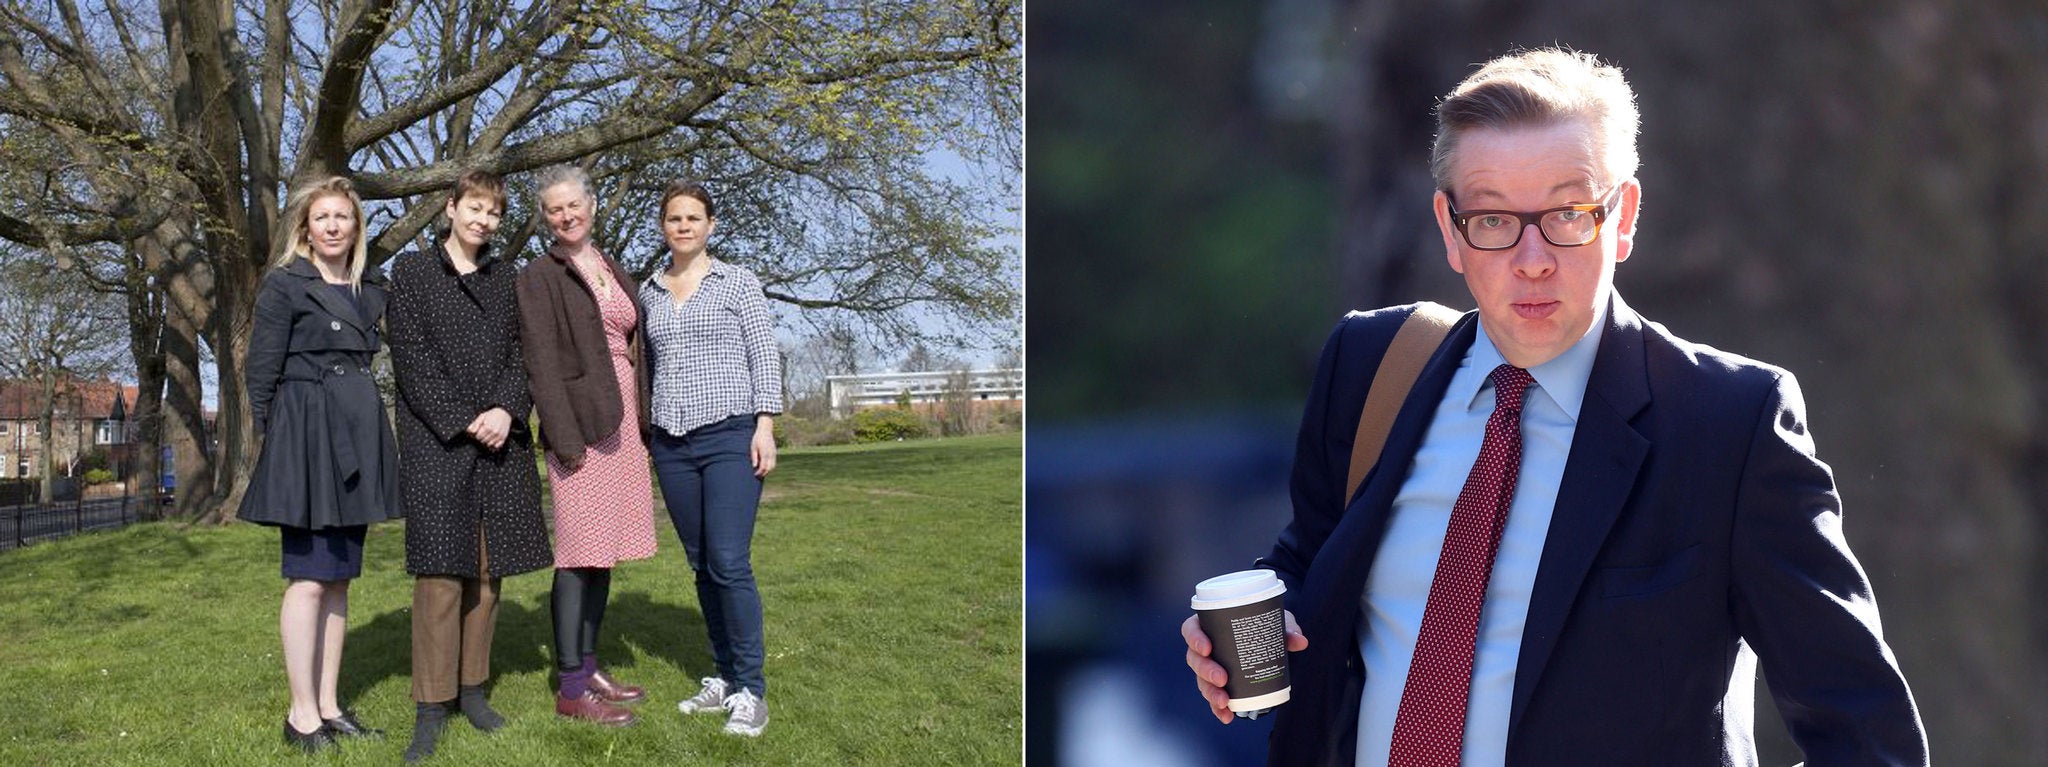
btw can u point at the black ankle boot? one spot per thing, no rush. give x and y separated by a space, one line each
426 730
478 709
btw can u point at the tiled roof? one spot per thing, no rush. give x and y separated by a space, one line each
22 400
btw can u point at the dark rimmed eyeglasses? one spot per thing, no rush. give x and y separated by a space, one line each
1567 226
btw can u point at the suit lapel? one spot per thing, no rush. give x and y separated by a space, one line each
1606 455
1364 524
1405 437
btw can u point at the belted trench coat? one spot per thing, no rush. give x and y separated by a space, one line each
328 455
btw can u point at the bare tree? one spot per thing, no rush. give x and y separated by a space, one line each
806 364
56 331
956 411
922 358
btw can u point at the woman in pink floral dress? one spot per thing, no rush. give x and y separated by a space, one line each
579 323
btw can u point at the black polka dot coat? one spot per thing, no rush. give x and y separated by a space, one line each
455 351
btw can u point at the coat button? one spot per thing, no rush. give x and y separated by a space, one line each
334 325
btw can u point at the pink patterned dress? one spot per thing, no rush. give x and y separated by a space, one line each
604 511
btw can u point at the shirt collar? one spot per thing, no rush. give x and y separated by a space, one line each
1563 379
302 266
718 269
484 255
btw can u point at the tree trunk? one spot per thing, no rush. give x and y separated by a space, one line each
184 284
234 426
47 431
186 428
146 345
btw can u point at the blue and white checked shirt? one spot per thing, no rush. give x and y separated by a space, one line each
714 357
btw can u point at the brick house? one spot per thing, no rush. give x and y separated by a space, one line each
88 415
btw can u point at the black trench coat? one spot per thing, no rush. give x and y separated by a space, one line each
328 457
455 350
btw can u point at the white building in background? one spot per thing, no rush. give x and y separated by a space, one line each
850 393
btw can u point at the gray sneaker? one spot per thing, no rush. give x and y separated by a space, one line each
749 714
711 698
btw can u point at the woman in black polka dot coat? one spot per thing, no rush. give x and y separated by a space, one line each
466 474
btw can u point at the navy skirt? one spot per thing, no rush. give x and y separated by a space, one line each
328 554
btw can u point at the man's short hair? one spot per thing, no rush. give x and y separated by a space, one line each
1538 88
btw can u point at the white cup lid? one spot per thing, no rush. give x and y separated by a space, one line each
1239 588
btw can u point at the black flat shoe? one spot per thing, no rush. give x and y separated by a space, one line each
313 742
347 726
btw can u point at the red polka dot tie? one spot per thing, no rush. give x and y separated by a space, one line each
1429 730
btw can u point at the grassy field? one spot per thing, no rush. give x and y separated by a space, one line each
891 578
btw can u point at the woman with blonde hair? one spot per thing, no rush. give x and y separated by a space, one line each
328 467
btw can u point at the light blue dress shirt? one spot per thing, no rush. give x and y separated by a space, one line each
1397 589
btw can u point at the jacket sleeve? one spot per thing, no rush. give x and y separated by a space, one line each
1316 484
1805 605
423 382
764 362
541 347
269 334
510 391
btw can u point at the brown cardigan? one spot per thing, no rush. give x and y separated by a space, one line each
568 364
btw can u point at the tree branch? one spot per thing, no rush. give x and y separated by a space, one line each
401 232
891 303
49 234
524 41
277 36
89 66
533 91
325 150
259 155
586 140
138 65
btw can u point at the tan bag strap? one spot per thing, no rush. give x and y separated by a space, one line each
1413 345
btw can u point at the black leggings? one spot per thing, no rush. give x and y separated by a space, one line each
579 598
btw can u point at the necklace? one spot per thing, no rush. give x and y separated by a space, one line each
594 272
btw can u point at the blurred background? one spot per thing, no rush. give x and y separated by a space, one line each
1857 191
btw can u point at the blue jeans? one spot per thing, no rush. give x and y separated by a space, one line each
708 483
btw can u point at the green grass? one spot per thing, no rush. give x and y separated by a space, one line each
891 577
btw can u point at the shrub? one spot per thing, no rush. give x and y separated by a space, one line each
792 431
96 458
98 476
882 424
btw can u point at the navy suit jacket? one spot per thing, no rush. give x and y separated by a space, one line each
1695 534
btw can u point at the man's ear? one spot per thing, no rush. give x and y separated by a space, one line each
1442 205
1625 219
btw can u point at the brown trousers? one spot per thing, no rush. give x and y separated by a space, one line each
452 621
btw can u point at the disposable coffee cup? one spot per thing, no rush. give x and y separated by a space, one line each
1247 627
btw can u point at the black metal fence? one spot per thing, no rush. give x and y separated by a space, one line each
24 524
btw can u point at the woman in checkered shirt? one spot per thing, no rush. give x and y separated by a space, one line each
717 387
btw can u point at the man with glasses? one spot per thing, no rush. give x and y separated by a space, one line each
1583 533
